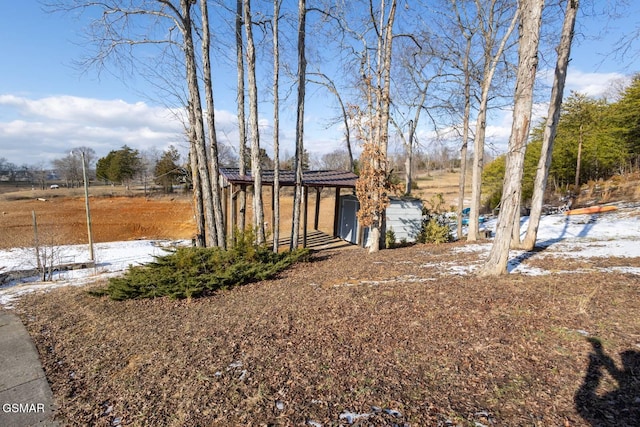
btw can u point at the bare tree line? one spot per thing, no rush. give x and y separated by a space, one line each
382 63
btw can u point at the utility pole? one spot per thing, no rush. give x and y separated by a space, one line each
86 206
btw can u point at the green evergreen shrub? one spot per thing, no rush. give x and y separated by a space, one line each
435 225
390 239
192 272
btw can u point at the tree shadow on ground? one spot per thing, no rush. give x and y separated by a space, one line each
541 246
620 407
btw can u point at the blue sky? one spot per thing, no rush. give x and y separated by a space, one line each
47 106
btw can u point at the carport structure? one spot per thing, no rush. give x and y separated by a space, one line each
232 182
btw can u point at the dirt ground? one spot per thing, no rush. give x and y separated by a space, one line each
61 216
352 338
349 338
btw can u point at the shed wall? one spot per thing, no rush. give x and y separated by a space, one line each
404 217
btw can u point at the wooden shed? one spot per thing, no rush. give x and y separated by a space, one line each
403 216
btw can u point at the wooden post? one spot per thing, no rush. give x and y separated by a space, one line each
336 212
225 205
317 213
87 209
233 214
305 201
36 242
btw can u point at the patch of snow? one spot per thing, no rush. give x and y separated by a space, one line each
111 259
614 234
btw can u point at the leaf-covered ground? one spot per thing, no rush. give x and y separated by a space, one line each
394 338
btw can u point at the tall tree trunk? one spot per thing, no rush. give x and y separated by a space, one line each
530 22
242 134
383 105
302 69
198 123
490 65
465 135
198 204
408 161
213 139
256 167
276 126
553 116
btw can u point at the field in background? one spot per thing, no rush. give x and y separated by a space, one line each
445 182
119 215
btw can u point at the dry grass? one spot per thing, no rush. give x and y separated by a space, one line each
348 332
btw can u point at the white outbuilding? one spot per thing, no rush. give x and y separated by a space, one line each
403 217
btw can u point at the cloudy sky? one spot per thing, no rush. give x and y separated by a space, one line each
48 107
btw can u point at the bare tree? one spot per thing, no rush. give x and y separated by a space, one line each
373 121
385 41
198 201
70 169
331 87
417 68
492 14
553 116
494 43
529 37
118 28
336 160
299 156
211 125
465 65
256 168
242 126
186 26
276 125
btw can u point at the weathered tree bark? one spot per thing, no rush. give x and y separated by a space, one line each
198 204
408 161
530 22
553 116
276 125
198 124
302 69
256 167
213 139
465 134
385 41
242 134
491 61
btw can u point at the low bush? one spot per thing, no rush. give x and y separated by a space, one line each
192 272
435 224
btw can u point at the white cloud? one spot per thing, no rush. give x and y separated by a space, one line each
40 130
590 84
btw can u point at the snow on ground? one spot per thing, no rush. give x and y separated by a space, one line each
613 234
112 258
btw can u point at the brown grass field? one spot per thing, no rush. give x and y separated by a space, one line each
348 338
118 214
